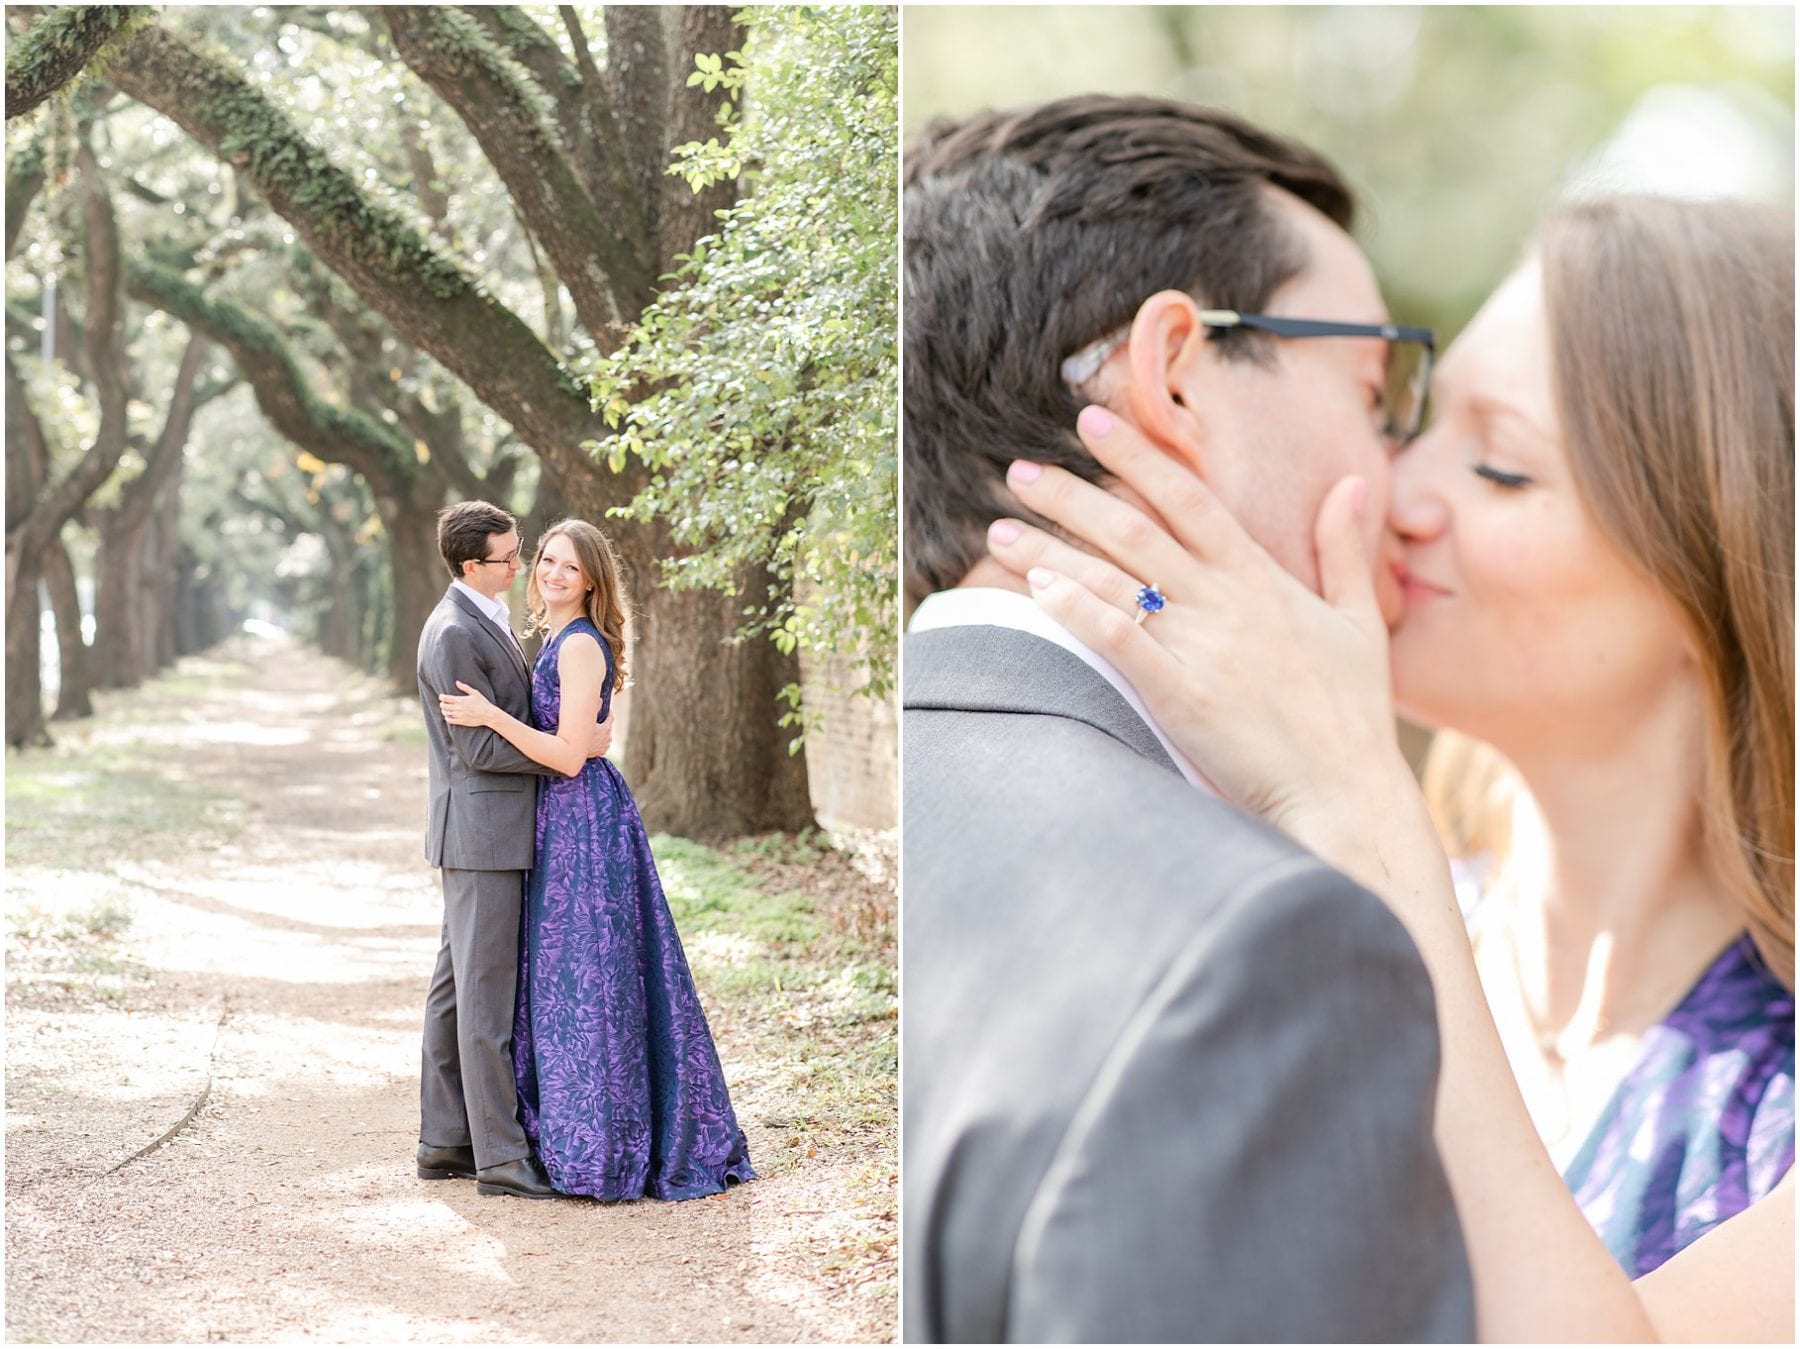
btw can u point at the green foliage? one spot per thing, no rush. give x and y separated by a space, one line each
25 165
705 890
760 388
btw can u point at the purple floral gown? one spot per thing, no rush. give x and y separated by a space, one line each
1703 1125
620 1089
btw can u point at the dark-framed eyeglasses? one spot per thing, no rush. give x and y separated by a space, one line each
507 561
1411 352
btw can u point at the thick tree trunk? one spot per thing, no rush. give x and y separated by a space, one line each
731 774
25 454
25 725
74 688
156 588
40 517
419 578
132 592
341 622
378 629
119 661
203 616
194 605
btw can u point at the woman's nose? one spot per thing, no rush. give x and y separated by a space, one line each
1417 506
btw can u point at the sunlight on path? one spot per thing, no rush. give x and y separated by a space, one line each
278 929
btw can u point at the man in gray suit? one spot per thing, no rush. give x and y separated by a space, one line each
1168 1076
480 830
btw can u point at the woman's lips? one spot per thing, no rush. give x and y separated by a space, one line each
1416 588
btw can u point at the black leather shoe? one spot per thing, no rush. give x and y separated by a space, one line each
446 1163
520 1178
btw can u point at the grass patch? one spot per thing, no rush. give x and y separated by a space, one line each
707 893
83 805
808 846
110 787
74 953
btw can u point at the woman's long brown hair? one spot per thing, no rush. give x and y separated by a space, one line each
1672 342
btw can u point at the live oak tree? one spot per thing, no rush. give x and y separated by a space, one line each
761 389
41 500
580 139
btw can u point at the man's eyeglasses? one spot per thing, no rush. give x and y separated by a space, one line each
506 561
1411 352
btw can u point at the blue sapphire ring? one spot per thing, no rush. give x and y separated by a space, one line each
1150 600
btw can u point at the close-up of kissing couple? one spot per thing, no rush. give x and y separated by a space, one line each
1219 1026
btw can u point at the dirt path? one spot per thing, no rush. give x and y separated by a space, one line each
277 933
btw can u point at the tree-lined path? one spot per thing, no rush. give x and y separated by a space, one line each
284 281
219 923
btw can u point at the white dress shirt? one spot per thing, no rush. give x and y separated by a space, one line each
495 610
978 606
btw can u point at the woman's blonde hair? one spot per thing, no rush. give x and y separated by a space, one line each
1672 351
606 603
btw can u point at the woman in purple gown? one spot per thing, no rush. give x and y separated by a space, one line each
620 1089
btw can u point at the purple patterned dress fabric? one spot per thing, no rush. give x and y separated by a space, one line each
1703 1124
620 1089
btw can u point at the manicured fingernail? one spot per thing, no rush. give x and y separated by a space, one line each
1095 421
1024 472
1358 495
1041 578
1003 532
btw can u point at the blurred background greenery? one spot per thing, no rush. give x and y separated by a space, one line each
1458 125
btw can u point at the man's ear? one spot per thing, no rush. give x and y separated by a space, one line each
1166 350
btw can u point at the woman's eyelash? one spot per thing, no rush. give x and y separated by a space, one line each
1501 478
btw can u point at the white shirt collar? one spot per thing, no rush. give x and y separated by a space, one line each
988 606
494 609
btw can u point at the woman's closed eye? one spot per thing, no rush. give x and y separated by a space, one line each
1501 478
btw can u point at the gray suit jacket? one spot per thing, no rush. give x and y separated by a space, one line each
482 807
1168 1076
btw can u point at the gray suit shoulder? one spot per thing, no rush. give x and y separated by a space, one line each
1093 952
1262 1111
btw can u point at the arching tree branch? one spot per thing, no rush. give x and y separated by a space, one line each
607 276
337 435
56 49
420 290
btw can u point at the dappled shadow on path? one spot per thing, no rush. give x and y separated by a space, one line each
278 970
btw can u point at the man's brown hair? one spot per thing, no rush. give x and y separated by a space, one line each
464 530
1030 234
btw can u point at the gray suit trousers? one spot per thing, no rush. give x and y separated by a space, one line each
466 1091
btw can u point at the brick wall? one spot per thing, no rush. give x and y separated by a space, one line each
853 760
